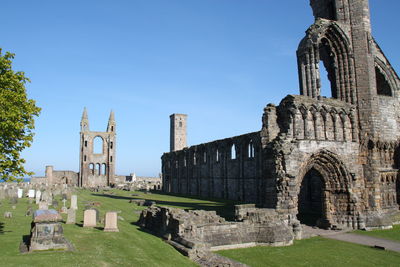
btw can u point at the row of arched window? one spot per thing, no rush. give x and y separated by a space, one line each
198 158
97 169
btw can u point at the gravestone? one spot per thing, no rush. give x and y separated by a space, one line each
64 196
74 202
7 214
20 192
38 196
111 222
13 200
2 193
43 205
47 232
71 216
55 203
46 196
31 193
29 211
89 218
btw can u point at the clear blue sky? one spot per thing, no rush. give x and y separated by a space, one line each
219 61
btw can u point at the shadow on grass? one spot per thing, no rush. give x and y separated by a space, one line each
1 228
223 208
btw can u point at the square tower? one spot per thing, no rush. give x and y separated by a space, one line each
178 131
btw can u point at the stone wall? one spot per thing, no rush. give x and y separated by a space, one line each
228 168
196 232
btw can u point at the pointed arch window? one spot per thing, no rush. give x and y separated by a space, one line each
98 145
233 151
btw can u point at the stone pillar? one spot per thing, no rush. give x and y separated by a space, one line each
49 174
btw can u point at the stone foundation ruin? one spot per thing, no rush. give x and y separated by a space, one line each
195 233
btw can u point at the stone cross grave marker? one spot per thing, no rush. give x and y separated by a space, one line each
89 218
111 220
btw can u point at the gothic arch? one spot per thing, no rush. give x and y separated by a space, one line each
327 42
335 201
385 80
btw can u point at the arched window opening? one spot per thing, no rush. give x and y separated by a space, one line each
205 157
327 80
233 152
194 159
112 128
180 124
85 143
98 169
250 150
91 168
184 162
382 85
217 156
111 145
111 159
98 145
84 158
104 169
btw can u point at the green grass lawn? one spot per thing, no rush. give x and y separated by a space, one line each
133 247
315 251
129 247
392 234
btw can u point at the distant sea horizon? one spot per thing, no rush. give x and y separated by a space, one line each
25 180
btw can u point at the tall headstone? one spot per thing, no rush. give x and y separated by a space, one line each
89 218
111 222
71 216
38 196
31 193
74 202
20 192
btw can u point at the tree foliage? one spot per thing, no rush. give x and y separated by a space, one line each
17 114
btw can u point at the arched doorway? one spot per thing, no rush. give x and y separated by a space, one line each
324 198
311 199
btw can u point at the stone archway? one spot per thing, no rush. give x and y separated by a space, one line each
323 192
311 199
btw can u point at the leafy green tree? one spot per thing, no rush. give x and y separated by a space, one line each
17 114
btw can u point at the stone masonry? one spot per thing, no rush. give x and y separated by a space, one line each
331 162
97 168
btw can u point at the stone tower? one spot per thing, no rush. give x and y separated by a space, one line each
97 167
178 132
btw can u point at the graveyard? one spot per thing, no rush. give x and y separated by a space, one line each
133 246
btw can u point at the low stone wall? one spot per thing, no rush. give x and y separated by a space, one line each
196 232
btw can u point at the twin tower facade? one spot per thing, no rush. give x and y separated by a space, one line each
97 154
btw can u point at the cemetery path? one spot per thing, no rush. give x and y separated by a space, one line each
366 240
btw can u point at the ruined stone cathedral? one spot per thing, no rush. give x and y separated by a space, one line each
97 167
332 162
